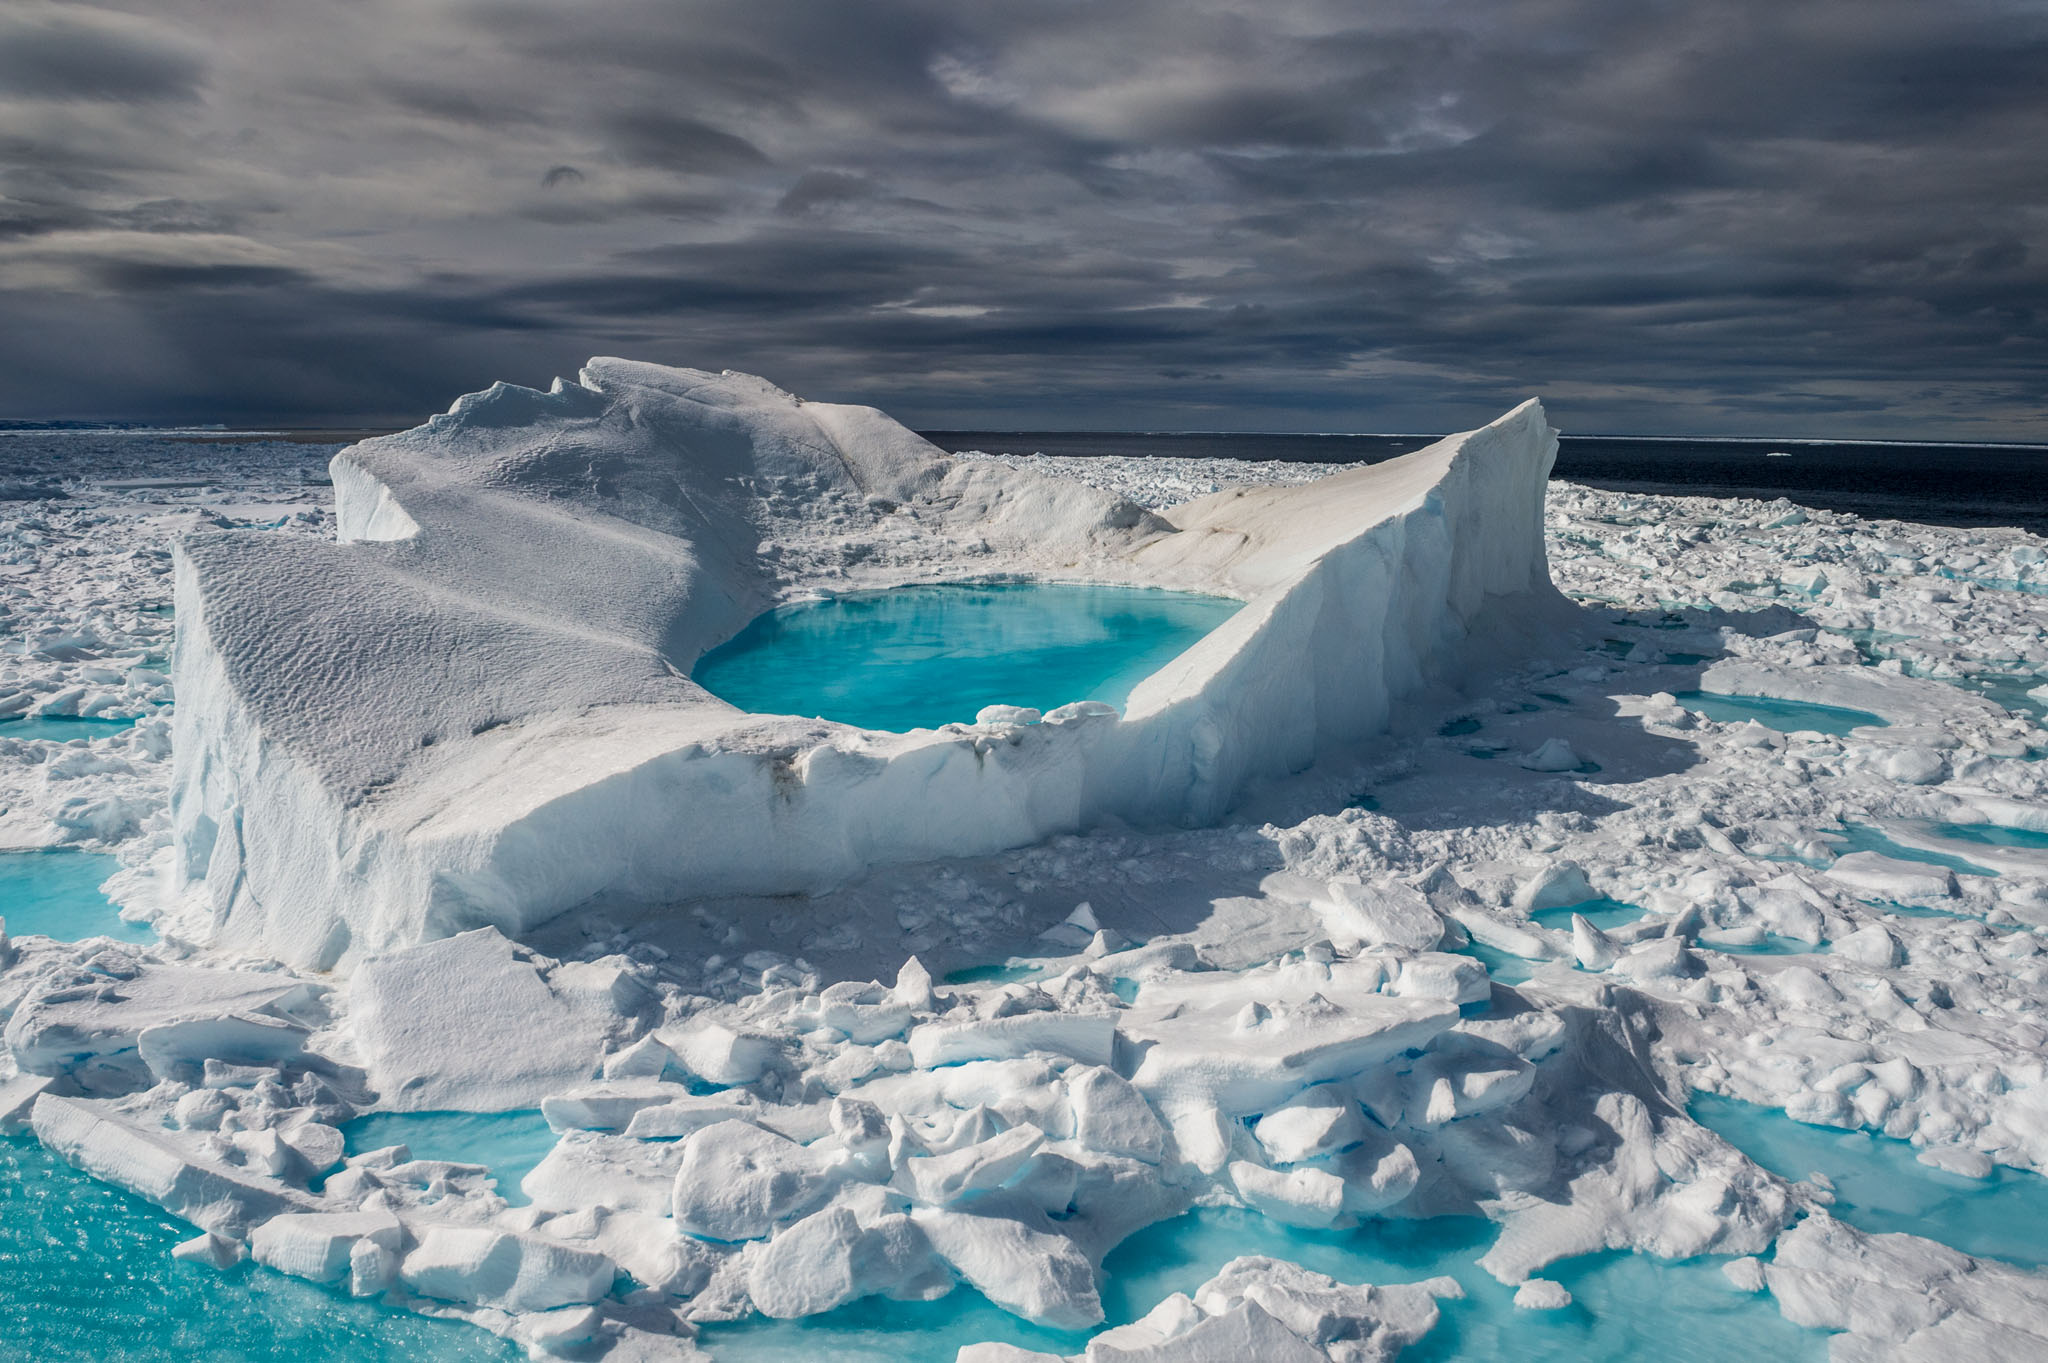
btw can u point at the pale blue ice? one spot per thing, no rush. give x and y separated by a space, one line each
918 657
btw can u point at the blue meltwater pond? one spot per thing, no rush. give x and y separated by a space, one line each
1880 1184
509 1144
57 894
919 657
1786 716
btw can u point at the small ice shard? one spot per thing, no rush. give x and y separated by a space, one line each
1909 882
830 1258
989 716
1870 945
1075 930
1746 1274
722 1055
943 1180
1914 766
564 1331
1810 579
1594 949
1555 754
735 1181
1443 975
913 987
1113 1118
318 1245
646 1058
215 1251
1957 1159
1043 1278
1385 913
1307 1197
1559 883
17 1096
1542 1294
1088 1037
1318 1122
511 1270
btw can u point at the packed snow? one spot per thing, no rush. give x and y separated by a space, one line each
1366 991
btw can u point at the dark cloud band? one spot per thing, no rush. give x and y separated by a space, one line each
1817 216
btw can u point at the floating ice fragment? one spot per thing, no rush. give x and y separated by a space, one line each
1541 1294
1555 754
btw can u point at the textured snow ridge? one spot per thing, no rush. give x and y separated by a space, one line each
473 707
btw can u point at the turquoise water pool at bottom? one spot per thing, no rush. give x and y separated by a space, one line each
1880 1184
919 657
1629 1307
86 1273
57 893
509 1144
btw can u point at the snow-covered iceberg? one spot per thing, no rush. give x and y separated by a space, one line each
474 707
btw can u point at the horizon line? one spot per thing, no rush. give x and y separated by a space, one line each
59 425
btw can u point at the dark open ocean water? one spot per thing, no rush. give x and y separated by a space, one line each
1942 484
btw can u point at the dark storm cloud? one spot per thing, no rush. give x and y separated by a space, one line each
58 54
656 137
1797 216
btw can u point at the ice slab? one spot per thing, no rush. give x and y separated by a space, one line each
474 1023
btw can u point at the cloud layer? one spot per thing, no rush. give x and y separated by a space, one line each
1785 217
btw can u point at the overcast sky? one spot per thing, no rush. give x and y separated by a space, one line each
1695 217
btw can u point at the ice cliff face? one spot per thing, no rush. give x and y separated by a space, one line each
473 708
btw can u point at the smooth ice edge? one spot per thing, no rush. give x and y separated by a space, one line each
474 709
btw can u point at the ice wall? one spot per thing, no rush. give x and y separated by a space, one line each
474 708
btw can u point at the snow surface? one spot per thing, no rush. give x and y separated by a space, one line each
775 1104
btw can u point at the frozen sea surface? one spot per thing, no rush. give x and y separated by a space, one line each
57 893
919 657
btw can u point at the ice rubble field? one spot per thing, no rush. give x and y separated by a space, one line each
776 1135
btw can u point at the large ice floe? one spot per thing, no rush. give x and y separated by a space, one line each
1429 963
473 707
